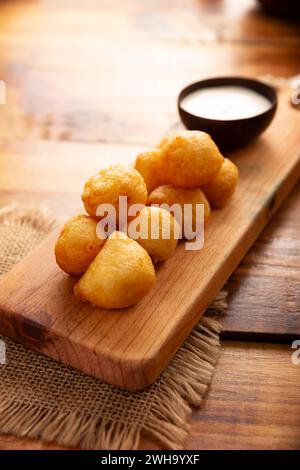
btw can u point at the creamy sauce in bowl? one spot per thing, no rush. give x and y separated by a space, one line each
225 103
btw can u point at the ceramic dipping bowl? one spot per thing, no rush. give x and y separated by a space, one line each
233 132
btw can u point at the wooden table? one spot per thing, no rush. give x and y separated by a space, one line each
103 77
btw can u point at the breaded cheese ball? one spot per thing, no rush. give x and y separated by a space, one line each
191 159
150 165
159 232
169 195
106 186
120 275
219 191
165 139
77 244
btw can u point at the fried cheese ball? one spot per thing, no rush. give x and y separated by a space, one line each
120 275
191 159
150 165
219 191
165 139
77 244
106 186
169 195
159 232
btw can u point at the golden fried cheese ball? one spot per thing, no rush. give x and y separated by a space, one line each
165 139
120 275
169 195
219 191
106 186
191 159
149 164
77 244
158 232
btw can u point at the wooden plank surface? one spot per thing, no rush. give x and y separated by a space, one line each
130 347
252 313
195 20
252 403
264 291
112 112
232 33
128 61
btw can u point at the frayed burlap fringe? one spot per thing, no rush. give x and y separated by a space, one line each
182 384
185 382
106 417
68 429
39 220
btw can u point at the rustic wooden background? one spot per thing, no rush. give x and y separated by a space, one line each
107 73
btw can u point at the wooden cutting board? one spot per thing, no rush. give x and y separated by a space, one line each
130 347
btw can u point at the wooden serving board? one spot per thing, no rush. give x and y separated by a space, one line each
129 348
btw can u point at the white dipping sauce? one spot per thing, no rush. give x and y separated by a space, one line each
225 103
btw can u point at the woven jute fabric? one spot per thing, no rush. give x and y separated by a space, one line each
40 398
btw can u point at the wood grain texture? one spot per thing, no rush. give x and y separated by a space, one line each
112 112
271 265
195 20
264 291
43 102
118 80
253 401
130 347
9 442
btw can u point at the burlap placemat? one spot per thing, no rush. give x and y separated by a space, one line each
40 398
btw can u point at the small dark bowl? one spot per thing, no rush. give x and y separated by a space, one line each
282 8
235 132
